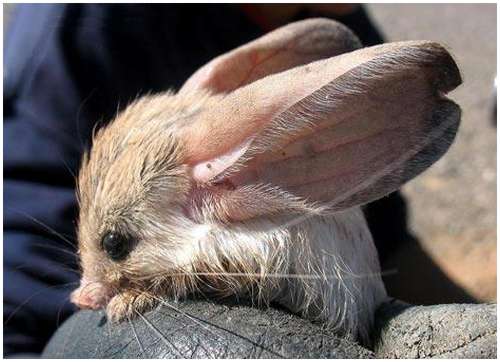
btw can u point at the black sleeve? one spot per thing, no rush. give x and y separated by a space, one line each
67 68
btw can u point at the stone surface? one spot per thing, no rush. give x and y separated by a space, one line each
201 329
444 331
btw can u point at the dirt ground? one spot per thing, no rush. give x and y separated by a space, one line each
453 204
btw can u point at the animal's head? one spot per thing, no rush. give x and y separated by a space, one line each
298 120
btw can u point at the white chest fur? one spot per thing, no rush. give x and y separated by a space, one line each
324 267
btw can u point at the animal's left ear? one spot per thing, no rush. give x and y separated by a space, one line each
296 44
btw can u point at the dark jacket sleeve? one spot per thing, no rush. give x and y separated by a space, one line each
67 68
41 152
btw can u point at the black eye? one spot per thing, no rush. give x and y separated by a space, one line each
116 245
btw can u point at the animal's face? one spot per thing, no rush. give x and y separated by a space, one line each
132 188
283 125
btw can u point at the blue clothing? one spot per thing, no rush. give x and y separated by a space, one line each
66 68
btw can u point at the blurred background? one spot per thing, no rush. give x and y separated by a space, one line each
451 206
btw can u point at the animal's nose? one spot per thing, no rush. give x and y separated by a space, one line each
90 296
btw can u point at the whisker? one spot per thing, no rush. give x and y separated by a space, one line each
34 295
283 276
78 114
195 319
137 337
61 264
162 301
55 247
94 284
27 265
109 325
61 158
48 228
159 334
61 305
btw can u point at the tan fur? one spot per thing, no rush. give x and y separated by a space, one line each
228 190
178 255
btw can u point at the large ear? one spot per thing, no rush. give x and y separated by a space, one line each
295 44
338 132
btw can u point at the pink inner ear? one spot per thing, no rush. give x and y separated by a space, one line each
341 132
208 170
231 71
247 111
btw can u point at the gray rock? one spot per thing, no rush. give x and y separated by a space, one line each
200 329
444 331
203 329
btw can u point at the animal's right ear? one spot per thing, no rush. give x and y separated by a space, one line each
296 44
338 132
